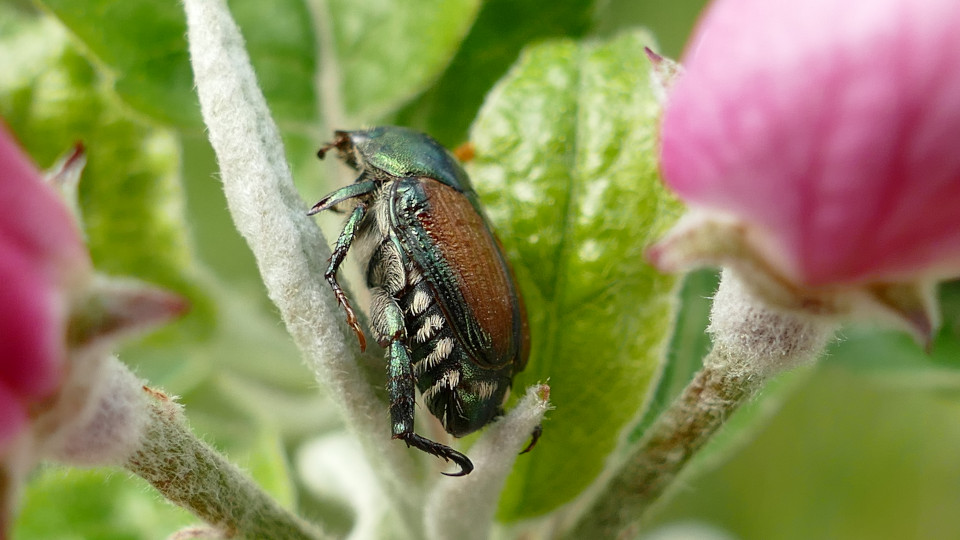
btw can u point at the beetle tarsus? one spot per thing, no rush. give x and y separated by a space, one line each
534 437
351 318
439 450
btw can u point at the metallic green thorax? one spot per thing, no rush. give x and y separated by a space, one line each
424 249
394 152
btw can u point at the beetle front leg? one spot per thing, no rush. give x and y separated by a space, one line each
344 241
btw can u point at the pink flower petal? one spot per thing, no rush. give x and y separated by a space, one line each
34 221
41 258
31 329
14 417
832 127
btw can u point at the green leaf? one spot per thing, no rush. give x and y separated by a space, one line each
388 51
130 194
565 163
282 45
94 504
671 22
501 30
143 45
689 344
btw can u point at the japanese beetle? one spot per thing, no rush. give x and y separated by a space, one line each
444 302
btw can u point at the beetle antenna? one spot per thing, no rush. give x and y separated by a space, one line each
322 152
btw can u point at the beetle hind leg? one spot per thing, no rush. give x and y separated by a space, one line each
439 450
401 389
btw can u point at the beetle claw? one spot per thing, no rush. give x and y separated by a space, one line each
466 466
360 337
534 437
439 450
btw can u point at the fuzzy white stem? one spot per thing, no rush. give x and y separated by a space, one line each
463 508
288 246
107 429
193 475
751 339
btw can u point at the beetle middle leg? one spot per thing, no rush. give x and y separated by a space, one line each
344 241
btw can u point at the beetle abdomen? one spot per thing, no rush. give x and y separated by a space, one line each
461 261
463 393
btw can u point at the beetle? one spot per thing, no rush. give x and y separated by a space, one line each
444 302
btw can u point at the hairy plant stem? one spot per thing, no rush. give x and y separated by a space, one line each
752 342
683 429
289 248
191 474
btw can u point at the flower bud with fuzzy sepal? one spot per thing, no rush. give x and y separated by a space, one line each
63 396
815 143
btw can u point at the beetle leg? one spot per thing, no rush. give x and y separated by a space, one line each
439 450
346 237
534 437
400 388
346 192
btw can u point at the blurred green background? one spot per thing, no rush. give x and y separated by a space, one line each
863 446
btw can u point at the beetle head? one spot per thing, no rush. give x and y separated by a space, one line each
392 152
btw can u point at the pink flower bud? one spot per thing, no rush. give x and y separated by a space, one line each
62 395
828 131
43 265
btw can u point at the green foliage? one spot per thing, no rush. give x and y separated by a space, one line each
387 54
689 344
154 79
501 30
566 167
143 51
96 504
846 456
131 197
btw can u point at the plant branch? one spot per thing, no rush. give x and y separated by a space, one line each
463 508
752 342
193 475
288 246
